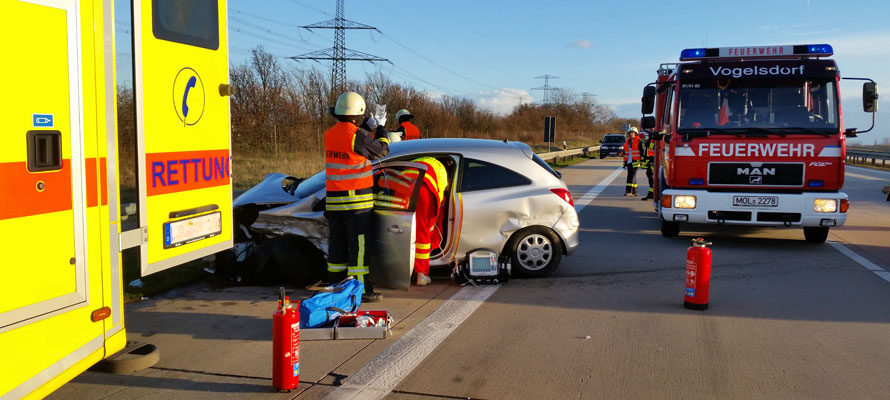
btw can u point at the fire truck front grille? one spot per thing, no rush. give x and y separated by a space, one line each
756 174
729 215
778 217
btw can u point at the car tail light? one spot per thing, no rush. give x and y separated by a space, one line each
564 194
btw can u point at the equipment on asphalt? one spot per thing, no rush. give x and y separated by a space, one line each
285 345
324 308
482 266
698 275
757 140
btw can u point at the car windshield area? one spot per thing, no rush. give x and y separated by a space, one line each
612 139
752 105
310 185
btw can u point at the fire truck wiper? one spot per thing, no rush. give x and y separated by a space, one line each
803 131
688 134
756 131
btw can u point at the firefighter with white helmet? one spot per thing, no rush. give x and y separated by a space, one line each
408 130
632 160
349 149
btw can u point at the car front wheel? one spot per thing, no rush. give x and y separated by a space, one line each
535 251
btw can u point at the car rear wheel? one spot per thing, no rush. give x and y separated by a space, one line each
534 251
815 234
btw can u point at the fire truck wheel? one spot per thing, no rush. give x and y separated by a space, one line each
670 228
815 234
535 251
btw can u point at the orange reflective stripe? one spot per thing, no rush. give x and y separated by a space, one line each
344 169
94 191
21 197
411 130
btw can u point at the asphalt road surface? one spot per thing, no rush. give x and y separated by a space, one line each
787 319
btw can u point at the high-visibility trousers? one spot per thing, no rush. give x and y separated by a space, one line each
426 216
349 244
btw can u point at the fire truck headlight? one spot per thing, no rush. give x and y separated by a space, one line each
825 205
684 201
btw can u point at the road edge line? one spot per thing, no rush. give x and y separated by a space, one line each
880 272
588 197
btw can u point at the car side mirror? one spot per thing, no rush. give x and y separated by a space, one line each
648 99
647 123
870 97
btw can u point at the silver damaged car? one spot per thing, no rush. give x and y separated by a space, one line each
500 196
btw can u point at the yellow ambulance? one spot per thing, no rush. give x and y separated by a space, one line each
61 302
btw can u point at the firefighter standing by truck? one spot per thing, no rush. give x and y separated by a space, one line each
408 130
647 148
632 159
349 181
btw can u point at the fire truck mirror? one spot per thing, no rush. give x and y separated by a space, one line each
647 123
648 100
870 97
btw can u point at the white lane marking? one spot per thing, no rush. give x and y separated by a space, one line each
380 376
588 197
862 261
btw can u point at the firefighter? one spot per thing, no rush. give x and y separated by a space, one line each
647 148
349 149
632 158
429 203
408 130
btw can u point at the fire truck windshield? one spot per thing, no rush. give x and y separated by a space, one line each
761 105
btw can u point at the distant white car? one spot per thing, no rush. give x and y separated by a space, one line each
500 196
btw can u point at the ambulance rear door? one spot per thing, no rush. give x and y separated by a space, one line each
396 187
182 126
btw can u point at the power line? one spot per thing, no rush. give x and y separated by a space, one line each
546 88
338 54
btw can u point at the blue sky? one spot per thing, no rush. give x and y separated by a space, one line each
491 51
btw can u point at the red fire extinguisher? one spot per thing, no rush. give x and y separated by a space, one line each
286 344
698 275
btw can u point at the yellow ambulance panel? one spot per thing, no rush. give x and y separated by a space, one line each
182 118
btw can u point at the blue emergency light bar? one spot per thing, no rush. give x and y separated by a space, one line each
801 50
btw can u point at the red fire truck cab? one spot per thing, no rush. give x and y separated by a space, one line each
751 136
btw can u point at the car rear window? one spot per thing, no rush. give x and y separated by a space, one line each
540 161
481 175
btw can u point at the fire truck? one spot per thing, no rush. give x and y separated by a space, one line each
751 136
61 294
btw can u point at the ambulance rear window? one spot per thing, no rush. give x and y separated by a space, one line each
191 22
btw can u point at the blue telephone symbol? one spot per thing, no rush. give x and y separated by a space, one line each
185 108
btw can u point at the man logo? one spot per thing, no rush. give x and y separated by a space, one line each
755 180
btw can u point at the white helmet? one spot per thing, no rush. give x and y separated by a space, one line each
633 129
402 112
350 103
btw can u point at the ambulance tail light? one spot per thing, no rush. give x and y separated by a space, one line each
563 194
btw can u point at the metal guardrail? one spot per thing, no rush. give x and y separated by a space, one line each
862 156
567 154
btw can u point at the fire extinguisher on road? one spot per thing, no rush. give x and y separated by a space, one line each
286 344
698 275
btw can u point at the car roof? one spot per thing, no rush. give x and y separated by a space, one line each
453 144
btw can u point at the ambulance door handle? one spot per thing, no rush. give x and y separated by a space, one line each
395 229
